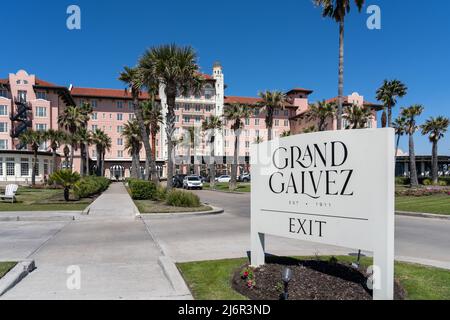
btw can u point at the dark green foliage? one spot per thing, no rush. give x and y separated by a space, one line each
143 190
90 186
178 198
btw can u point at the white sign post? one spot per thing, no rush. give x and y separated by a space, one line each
334 187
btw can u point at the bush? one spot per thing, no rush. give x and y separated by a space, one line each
142 190
402 181
427 182
90 186
178 198
161 193
445 180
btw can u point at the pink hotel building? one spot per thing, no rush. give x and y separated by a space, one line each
29 102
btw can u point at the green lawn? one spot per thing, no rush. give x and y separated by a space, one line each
5 267
148 206
211 280
242 187
29 199
438 204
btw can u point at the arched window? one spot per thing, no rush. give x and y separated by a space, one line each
209 91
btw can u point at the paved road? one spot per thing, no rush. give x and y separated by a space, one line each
224 236
117 257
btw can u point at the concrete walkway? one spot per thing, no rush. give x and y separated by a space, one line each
114 252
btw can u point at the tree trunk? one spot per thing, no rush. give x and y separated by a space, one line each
154 172
66 194
72 156
99 154
341 75
434 163
269 133
144 135
134 165
412 163
389 116
170 129
83 160
103 163
55 161
33 172
212 166
88 171
234 166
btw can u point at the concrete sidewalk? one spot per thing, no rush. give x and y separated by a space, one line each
114 252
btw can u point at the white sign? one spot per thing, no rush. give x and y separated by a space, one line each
334 187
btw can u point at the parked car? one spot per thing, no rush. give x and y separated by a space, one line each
192 182
177 181
224 179
245 177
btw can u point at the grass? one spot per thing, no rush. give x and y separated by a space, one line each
148 206
211 280
5 267
29 199
242 187
438 204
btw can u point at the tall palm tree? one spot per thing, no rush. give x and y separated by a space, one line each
435 128
56 138
321 112
34 139
211 125
400 130
357 116
410 114
103 143
388 94
271 101
153 119
337 10
133 143
84 139
176 69
134 79
72 119
236 113
191 146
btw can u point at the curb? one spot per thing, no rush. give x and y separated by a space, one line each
13 277
214 211
423 215
173 275
18 218
228 192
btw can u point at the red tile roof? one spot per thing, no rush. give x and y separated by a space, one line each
43 83
243 100
105 93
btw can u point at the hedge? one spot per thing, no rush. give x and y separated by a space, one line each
143 190
178 198
90 186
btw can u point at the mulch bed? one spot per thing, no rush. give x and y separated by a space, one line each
311 280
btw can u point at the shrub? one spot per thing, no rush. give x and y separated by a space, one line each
178 198
446 180
161 193
67 179
442 183
427 182
90 186
402 181
142 190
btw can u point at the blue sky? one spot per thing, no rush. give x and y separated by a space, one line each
261 44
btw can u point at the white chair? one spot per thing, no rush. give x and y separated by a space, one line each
10 192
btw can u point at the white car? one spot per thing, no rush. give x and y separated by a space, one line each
224 179
192 182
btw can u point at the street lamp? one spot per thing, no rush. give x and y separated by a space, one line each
286 277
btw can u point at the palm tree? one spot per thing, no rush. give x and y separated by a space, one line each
337 10
237 113
211 125
133 78
410 114
321 112
400 129
83 136
176 69
435 128
103 143
133 143
271 101
56 138
72 119
153 119
388 94
67 179
357 117
34 139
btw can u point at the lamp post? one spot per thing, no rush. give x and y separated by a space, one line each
286 276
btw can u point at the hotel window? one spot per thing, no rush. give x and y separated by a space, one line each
119 129
3 110
247 144
177 118
119 117
286 113
256 112
24 167
225 132
41 95
43 146
131 116
130 105
22 96
3 126
120 154
41 112
120 104
177 106
257 133
247 133
256 122
187 107
186 119
247 122
95 116
4 93
36 168
286 123
46 171
120 142
41 127
1 166
94 127
3 144
197 119
227 144
10 167
197 108
277 123
104 115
